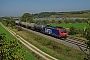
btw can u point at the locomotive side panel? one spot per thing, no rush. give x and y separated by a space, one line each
51 31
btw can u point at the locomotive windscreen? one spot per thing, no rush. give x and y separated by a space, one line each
63 30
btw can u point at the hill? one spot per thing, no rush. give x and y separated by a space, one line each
80 14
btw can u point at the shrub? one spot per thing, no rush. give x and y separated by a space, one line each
72 31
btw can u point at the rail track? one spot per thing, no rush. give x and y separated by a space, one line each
70 41
79 43
80 40
30 46
76 42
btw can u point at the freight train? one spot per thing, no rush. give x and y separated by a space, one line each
58 32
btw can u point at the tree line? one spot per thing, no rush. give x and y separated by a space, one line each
48 14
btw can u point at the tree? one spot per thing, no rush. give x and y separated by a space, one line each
7 22
2 38
12 23
26 17
66 21
72 31
10 49
53 21
60 21
38 22
46 21
79 21
87 36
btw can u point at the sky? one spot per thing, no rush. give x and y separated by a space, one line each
19 7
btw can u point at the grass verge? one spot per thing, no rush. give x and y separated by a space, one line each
76 25
26 55
53 48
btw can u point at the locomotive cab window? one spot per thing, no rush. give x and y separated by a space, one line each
63 30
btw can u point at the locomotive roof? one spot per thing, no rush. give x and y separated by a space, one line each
55 27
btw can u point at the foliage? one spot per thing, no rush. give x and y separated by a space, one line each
38 22
87 33
60 21
9 49
24 53
88 46
44 14
2 36
26 17
53 21
76 25
77 12
87 36
80 14
12 22
46 21
51 47
8 35
7 22
77 21
72 31
42 21
6 17
79 31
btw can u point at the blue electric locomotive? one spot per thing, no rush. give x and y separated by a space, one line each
56 31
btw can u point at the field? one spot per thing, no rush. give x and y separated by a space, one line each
76 25
10 37
61 52
85 15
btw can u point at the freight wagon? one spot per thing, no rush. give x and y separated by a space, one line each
30 26
53 31
39 27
